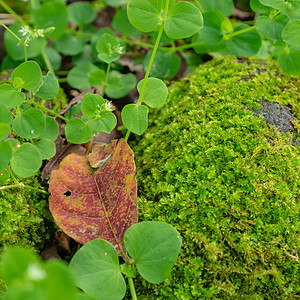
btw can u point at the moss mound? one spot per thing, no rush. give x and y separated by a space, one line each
228 182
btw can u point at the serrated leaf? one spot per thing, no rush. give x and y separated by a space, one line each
155 93
135 118
154 246
49 87
96 266
88 204
31 74
26 160
184 21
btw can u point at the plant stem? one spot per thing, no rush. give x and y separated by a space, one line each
282 52
12 176
21 186
230 35
25 52
10 31
200 6
47 61
105 80
132 288
63 80
48 110
187 46
137 43
10 11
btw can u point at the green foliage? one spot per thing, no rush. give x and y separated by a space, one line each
227 182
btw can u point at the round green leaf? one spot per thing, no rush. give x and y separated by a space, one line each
96 37
185 20
155 247
115 3
257 7
78 77
4 131
5 114
121 23
30 124
5 154
271 28
54 58
96 77
135 118
96 265
9 63
85 56
106 123
78 132
291 33
290 62
224 6
146 15
91 105
51 14
69 44
51 130
125 83
10 97
211 32
49 87
31 74
109 48
244 44
81 13
165 65
26 160
15 51
47 148
155 93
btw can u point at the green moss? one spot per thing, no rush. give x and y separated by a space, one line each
227 182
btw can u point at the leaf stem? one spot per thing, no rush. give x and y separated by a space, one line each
187 46
48 110
132 288
13 13
47 61
25 52
230 35
105 80
200 6
10 31
21 186
13 176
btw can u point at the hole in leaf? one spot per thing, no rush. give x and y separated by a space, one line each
67 194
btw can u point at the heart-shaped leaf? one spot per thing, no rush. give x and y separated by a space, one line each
88 204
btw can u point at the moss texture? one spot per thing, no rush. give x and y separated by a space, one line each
229 183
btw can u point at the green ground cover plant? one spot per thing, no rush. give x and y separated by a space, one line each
36 46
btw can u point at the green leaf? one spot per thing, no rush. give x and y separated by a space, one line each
121 23
128 270
271 28
49 87
184 21
146 15
96 37
257 7
96 265
5 154
290 62
26 160
78 77
69 44
96 78
31 74
47 148
125 83
10 97
289 8
92 104
165 66
106 123
211 33
135 118
155 93
5 114
109 48
290 33
224 6
15 51
85 56
155 247
245 44
8 63
51 130
78 132
115 3
30 124
51 14
4 131
81 13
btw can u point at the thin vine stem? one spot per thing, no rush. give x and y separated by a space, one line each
200 6
10 31
230 35
21 186
47 61
132 289
12 12
106 79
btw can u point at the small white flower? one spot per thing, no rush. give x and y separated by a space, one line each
108 106
25 30
40 32
35 272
